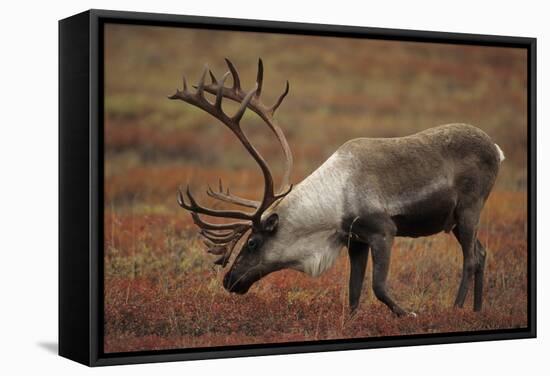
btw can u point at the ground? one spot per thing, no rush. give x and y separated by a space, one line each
161 290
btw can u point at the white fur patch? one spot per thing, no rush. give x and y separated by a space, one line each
501 155
316 204
308 219
321 259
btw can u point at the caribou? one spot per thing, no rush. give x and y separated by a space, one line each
368 192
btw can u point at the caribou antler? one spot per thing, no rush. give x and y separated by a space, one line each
222 238
266 113
227 197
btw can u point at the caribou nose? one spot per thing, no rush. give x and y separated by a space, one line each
228 281
236 285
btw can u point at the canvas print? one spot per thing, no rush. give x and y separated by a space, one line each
266 188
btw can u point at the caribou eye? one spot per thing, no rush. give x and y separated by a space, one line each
252 244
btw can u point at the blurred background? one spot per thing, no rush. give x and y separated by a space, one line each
160 290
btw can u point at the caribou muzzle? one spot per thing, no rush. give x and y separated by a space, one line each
236 284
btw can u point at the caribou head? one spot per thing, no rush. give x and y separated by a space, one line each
261 224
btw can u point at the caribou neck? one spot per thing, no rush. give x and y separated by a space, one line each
317 203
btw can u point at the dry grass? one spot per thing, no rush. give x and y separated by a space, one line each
160 289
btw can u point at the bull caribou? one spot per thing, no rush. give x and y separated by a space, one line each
367 193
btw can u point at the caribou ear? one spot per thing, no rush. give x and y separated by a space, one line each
270 224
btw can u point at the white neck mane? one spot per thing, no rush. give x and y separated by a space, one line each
310 217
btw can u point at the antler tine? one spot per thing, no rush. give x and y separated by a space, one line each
235 74
244 104
193 206
223 260
208 243
288 158
185 91
219 93
285 192
180 94
212 77
240 226
217 233
200 85
227 197
219 240
217 250
260 78
274 108
225 250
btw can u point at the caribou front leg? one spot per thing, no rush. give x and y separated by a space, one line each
381 252
358 255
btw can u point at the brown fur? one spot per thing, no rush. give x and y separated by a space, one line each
436 180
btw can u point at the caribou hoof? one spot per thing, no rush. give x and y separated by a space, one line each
412 314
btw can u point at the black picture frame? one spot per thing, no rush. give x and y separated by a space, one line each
81 185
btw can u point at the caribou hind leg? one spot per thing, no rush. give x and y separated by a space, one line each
478 275
358 255
473 263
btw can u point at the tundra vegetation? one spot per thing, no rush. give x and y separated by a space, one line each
161 291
